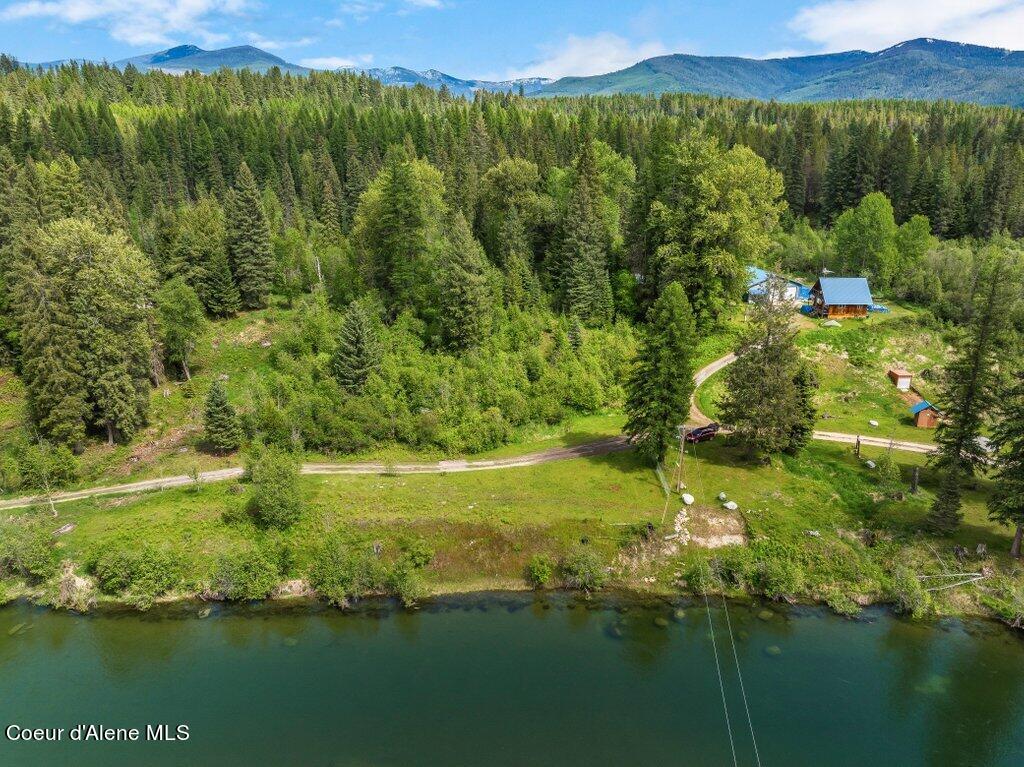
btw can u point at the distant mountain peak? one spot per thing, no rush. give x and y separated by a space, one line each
177 52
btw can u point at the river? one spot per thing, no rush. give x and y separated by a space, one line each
511 680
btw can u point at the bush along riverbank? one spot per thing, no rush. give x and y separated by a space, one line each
586 524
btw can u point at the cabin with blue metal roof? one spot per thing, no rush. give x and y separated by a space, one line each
841 297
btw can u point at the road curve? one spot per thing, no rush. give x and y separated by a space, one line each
698 418
597 447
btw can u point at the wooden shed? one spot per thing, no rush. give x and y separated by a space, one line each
926 415
901 379
841 297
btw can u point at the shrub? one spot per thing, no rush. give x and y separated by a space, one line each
779 578
583 569
246 574
26 549
418 554
139 572
276 499
341 573
1006 599
403 581
908 593
539 570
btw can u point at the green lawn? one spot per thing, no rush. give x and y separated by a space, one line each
484 526
852 362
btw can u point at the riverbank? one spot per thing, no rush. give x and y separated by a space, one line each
815 528
321 685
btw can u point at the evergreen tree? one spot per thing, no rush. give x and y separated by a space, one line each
1007 502
357 354
220 294
660 386
806 383
585 282
465 297
83 299
769 389
248 241
969 389
220 422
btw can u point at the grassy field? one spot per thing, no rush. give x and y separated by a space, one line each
852 362
485 526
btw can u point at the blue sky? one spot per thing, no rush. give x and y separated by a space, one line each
496 38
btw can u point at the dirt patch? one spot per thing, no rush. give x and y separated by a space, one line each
147 452
712 528
254 333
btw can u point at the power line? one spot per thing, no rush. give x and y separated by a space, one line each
718 667
743 691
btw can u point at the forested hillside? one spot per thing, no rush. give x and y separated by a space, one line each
450 271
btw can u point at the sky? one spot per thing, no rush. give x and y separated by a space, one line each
496 39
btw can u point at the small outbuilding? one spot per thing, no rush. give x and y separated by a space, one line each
901 379
840 297
926 415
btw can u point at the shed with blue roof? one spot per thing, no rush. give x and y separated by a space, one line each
841 297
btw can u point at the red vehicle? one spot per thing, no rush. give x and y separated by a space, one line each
703 434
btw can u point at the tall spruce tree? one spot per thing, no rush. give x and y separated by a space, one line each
465 296
969 389
223 430
357 354
248 241
1007 502
769 389
660 386
585 282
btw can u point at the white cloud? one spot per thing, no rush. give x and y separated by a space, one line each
599 54
360 10
275 45
875 24
338 62
137 22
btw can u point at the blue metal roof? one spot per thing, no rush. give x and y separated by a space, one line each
756 275
922 405
846 291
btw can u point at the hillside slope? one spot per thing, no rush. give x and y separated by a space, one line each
917 69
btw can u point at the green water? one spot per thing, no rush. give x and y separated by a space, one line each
508 681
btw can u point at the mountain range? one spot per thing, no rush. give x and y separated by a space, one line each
917 69
188 58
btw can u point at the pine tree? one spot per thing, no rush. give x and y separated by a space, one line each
220 421
1007 502
660 386
248 241
585 282
358 352
969 390
465 298
220 294
769 389
806 383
